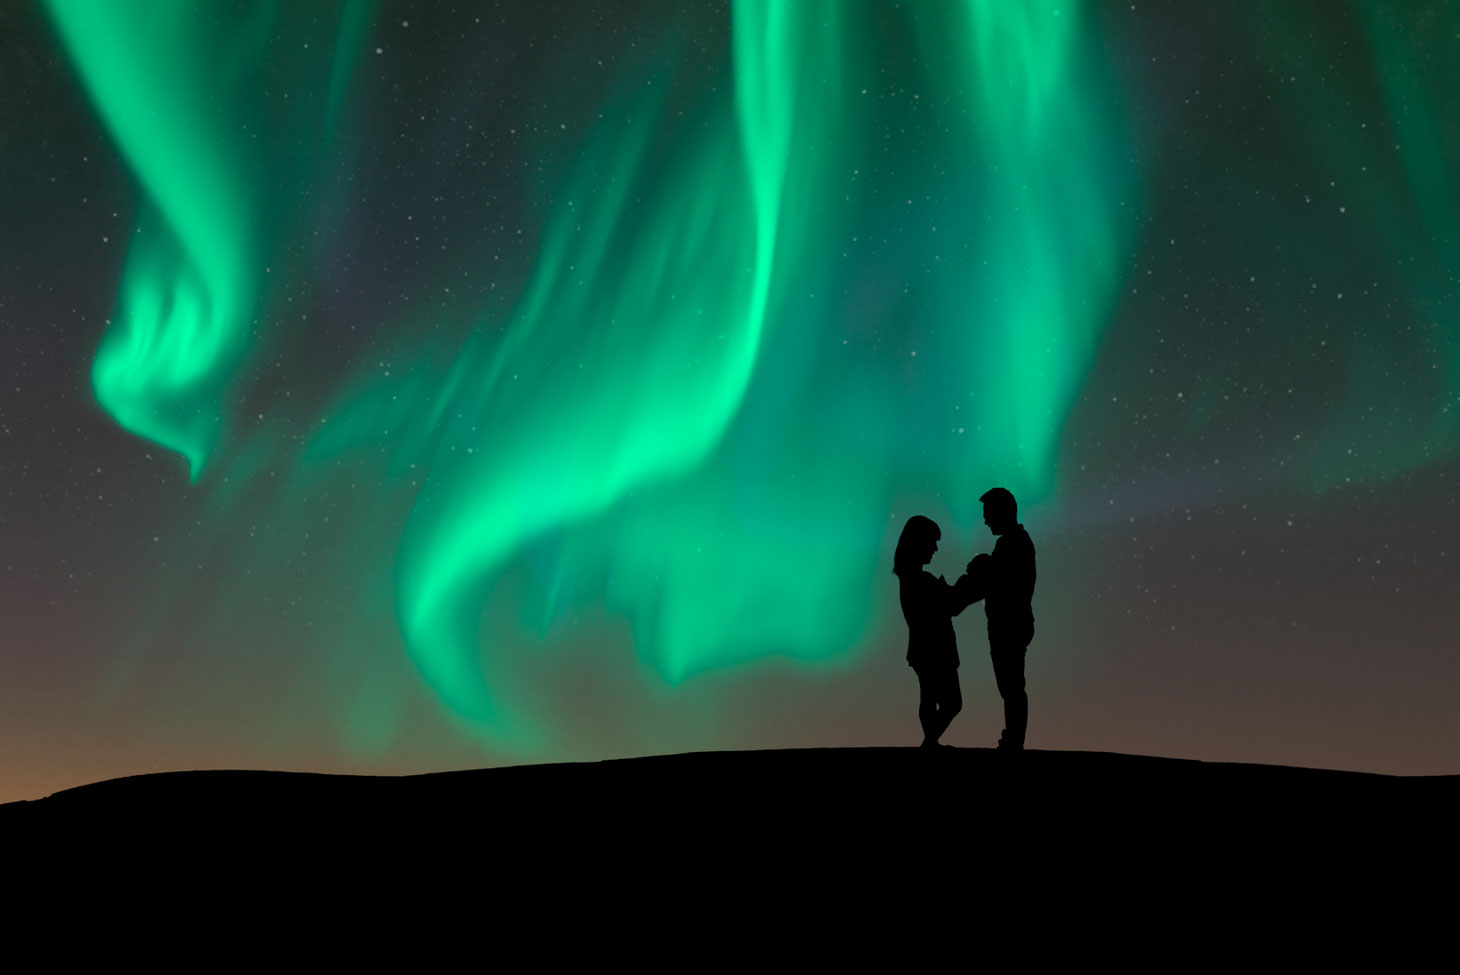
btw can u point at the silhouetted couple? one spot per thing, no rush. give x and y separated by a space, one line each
1005 583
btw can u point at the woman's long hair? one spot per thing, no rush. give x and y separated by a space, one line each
913 542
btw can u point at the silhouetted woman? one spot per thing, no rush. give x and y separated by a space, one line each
929 605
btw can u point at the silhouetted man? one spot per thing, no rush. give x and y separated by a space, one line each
1005 582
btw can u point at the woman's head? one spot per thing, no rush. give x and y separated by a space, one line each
916 545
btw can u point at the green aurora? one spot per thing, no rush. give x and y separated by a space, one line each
699 407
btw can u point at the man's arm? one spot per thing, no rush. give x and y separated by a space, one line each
1011 578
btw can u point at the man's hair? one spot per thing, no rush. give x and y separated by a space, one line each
1000 499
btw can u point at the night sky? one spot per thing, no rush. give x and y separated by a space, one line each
392 387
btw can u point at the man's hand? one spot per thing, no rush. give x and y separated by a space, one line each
974 564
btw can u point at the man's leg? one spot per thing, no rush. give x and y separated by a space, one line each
1008 662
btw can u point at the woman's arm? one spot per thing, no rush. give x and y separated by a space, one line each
951 599
972 585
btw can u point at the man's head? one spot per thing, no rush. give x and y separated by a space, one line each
1000 510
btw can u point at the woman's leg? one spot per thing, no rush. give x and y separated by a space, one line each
928 707
950 701
940 699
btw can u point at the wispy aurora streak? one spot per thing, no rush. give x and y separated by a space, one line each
180 87
630 351
1385 183
634 347
1045 215
692 416
1249 209
1428 223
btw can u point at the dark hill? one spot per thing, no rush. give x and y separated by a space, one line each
889 829
794 796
